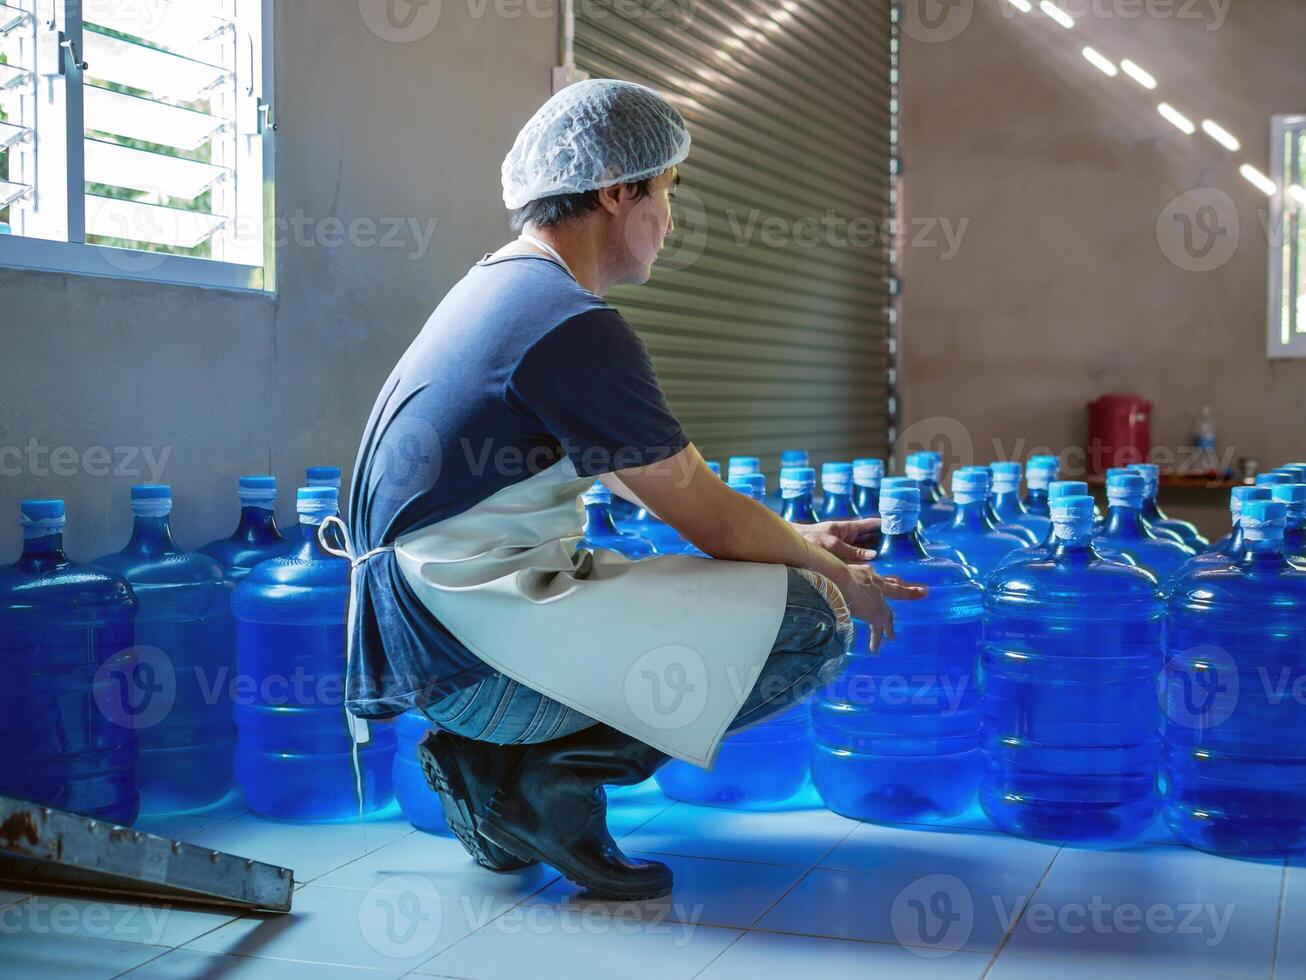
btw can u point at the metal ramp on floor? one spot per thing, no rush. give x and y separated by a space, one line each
42 848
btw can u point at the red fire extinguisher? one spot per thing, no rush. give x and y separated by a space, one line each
1119 431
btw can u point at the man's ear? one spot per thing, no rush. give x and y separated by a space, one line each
610 198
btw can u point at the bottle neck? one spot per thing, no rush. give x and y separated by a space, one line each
45 549
904 545
309 548
1125 522
151 535
598 521
1007 504
1078 547
798 510
1151 512
257 524
866 500
1258 550
1037 497
973 515
838 507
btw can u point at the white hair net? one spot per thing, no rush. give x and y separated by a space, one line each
593 134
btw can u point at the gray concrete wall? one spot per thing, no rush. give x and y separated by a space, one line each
194 387
1061 290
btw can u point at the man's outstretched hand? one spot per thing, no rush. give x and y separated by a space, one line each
846 540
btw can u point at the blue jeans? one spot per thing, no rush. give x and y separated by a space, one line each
807 653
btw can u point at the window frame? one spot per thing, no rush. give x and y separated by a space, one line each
1285 220
76 256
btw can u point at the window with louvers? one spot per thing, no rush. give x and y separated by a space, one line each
769 315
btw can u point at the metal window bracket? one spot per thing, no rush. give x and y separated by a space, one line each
70 46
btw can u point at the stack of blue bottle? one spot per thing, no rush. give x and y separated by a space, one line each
972 530
926 469
420 806
294 751
257 537
1154 516
1128 532
1235 734
1008 510
1069 671
601 531
868 474
66 704
767 763
896 735
185 648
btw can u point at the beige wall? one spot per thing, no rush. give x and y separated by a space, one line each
1060 290
214 384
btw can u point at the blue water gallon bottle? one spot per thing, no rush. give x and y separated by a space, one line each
319 476
185 645
752 485
760 766
868 474
789 459
1293 497
1055 491
972 530
896 735
67 706
837 483
257 537
936 508
602 532
1235 718
416 799
1128 532
938 549
1040 473
1154 516
1008 509
1068 676
797 485
294 750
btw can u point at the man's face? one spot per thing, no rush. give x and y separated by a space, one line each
645 223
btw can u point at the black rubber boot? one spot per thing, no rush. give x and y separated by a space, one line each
466 774
556 811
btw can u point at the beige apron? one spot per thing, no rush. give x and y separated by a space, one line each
666 649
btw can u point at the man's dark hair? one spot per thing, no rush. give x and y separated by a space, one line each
548 211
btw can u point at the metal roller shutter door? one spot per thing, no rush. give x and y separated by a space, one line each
768 328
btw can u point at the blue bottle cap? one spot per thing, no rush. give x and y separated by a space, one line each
1041 470
970 484
41 510
1006 477
317 503
1263 520
1241 495
1151 474
747 487
1126 490
258 483
890 482
739 466
795 480
258 491
794 457
1273 478
1067 488
868 472
837 477
757 480
919 466
1072 517
1293 496
323 476
598 493
151 500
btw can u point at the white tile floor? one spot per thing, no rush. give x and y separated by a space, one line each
793 892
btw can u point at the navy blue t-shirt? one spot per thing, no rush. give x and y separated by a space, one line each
518 366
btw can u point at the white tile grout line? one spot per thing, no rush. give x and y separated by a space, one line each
1278 921
1015 922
